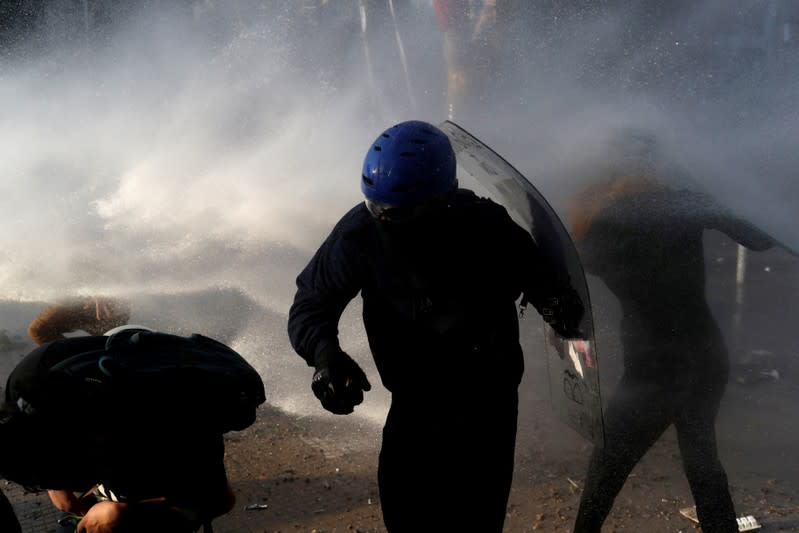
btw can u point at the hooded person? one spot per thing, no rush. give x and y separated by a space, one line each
643 237
112 462
439 270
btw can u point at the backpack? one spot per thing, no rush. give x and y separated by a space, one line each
159 378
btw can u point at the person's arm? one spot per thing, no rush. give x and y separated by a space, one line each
546 284
69 502
160 514
324 289
715 216
154 514
743 232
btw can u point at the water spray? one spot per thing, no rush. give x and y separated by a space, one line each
403 58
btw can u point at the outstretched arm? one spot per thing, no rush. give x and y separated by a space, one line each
717 217
744 233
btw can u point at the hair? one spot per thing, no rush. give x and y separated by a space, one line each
589 202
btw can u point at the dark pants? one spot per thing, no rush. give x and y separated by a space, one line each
8 519
447 465
637 416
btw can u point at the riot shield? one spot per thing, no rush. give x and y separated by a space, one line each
571 363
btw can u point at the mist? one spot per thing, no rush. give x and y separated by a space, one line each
163 159
192 146
169 151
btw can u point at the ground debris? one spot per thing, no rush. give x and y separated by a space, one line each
256 507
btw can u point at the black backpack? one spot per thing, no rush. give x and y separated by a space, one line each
159 378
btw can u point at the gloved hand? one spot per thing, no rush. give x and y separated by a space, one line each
564 313
338 383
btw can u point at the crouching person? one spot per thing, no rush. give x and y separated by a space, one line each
126 431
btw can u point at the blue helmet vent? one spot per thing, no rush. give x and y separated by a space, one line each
408 164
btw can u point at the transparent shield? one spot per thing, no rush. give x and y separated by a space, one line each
571 363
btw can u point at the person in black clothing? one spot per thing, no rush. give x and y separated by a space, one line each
113 466
643 239
439 271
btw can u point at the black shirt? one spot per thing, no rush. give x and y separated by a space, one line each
68 438
438 295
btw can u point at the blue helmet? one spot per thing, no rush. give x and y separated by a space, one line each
408 165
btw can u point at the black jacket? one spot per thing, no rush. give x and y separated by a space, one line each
648 249
438 296
63 438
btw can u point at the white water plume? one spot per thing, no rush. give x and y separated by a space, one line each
173 152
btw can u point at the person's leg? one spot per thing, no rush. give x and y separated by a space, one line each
486 442
450 462
636 417
398 472
696 435
8 519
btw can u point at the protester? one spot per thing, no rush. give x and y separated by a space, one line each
440 271
125 431
643 237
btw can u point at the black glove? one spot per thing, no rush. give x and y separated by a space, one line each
564 313
338 383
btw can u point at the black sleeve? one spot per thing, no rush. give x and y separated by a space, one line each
743 232
715 216
529 270
324 289
543 275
